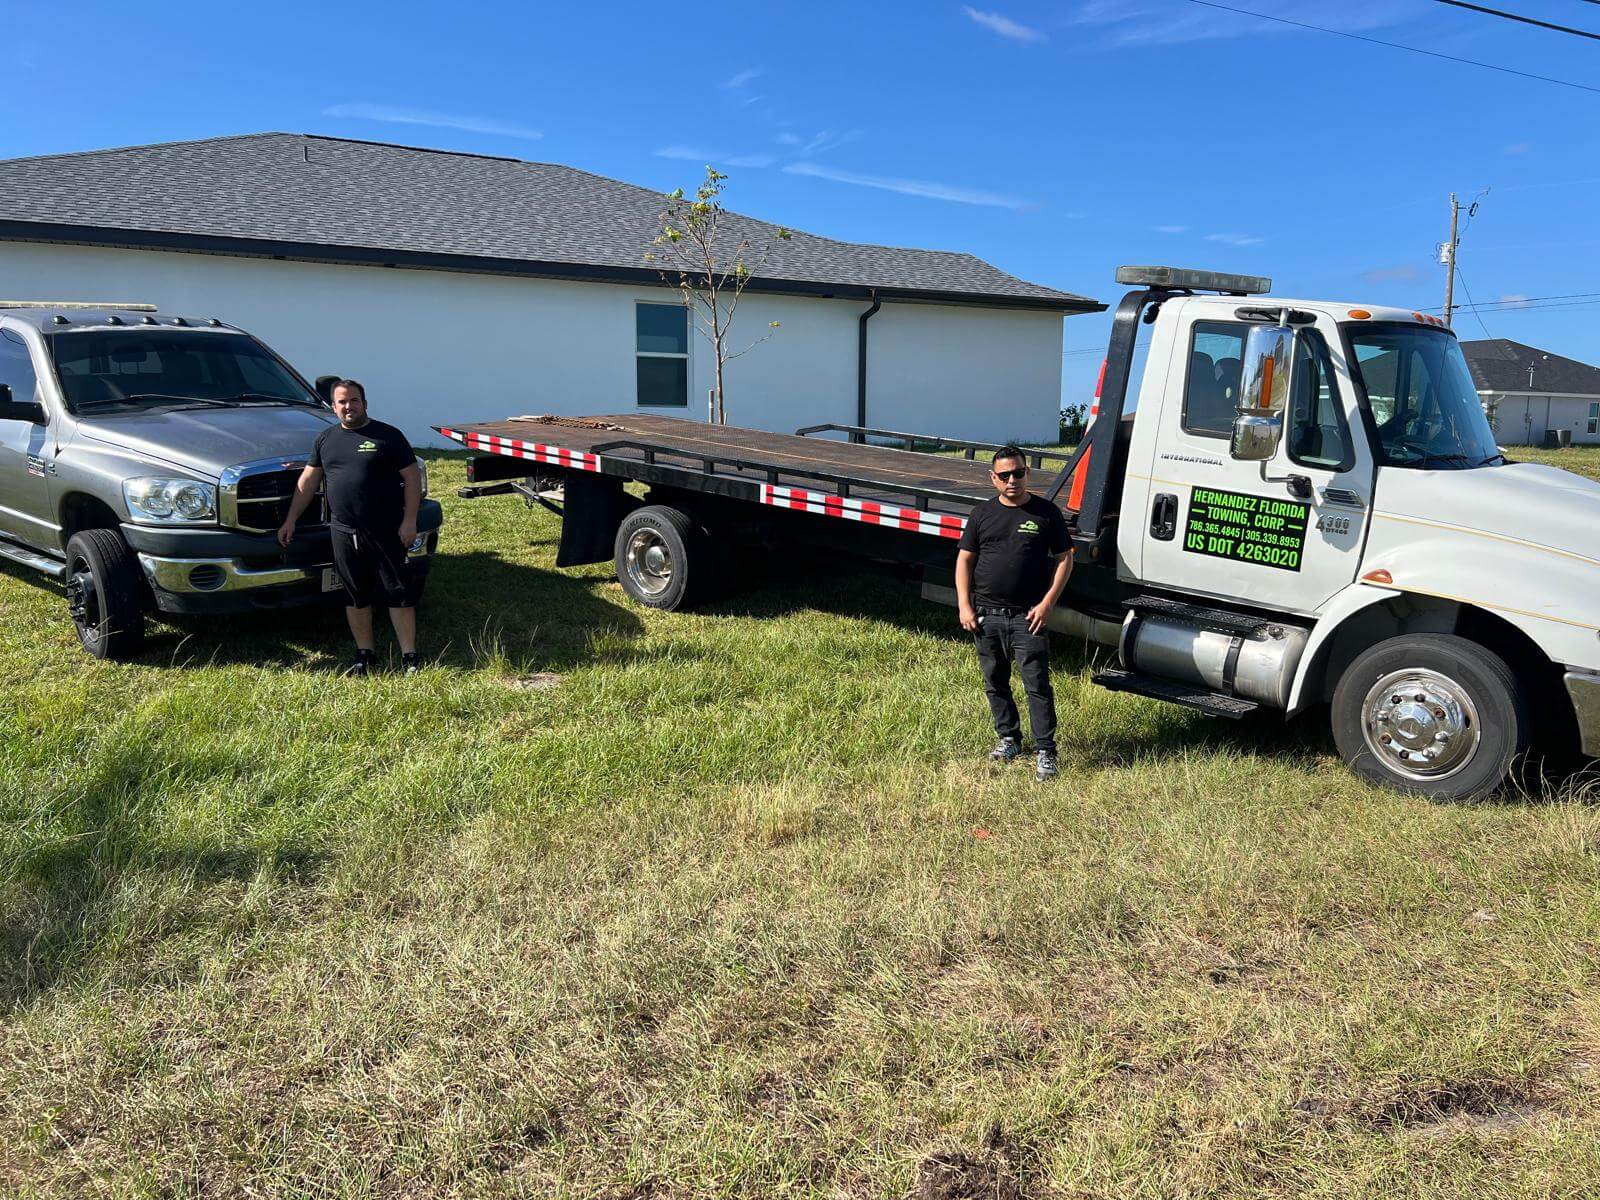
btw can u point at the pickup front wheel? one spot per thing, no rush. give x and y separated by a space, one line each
103 594
1433 714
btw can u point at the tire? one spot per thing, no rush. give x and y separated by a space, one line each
1469 695
659 555
105 594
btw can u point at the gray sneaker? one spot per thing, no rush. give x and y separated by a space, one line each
1044 765
1007 750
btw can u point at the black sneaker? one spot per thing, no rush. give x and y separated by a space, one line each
1044 765
365 659
1007 750
409 664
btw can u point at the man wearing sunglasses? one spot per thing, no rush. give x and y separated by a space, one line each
1014 558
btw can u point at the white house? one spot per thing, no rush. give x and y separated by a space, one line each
1528 391
460 287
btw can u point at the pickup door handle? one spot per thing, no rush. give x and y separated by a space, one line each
1164 517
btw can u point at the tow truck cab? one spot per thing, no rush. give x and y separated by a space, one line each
1306 504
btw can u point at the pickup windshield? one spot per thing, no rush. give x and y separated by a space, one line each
1422 398
160 368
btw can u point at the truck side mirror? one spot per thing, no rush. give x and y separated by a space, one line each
1263 393
324 386
19 410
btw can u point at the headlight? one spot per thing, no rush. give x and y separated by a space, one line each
158 500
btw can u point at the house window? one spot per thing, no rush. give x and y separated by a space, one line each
1594 418
662 350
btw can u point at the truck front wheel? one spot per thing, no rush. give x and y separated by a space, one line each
657 556
1432 714
104 594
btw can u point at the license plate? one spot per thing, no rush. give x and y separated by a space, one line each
330 580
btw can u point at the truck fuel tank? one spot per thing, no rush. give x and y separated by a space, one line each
1256 661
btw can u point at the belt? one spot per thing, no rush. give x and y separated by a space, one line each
990 610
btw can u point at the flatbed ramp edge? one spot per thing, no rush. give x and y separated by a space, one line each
866 483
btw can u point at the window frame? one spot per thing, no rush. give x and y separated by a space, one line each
684 356
1194 333
1594 417
18 337
1324 361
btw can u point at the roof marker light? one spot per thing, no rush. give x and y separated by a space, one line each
1381 575
179 321
58 319
1360 314
113 319
147 320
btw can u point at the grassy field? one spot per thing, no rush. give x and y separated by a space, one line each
610 903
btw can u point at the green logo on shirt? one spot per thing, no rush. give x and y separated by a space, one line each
366 447
1029 526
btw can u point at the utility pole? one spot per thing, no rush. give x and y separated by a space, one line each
1447 255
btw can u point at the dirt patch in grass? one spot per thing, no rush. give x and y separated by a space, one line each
956 1175
539 681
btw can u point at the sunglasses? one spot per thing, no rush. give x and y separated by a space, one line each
1009 475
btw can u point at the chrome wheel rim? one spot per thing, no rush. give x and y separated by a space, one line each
1420 724
649 562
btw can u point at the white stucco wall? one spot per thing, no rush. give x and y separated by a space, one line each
435 347
1522 418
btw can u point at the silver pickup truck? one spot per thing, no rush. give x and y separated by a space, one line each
146 462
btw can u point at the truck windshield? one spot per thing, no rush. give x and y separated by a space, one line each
1423 401
139 368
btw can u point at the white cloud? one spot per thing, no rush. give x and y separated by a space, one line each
829 140
1235 239
743 77
788 139
715 157
1129 23
1403 273
911 187
1172 229
417 116
1003 25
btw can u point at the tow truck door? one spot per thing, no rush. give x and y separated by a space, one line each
1284 534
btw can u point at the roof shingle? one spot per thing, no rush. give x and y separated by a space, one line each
1501 365
330 193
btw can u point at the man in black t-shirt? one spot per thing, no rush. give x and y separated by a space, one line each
374 491
1014 558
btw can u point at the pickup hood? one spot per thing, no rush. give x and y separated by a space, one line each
1525 502
207 440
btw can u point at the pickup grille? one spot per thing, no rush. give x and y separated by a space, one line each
257 499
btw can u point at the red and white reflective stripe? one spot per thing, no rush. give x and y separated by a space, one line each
555 456
869 512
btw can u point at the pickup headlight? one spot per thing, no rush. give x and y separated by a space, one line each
159 500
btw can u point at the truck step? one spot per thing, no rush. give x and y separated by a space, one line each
1190 695
1219 620
52 567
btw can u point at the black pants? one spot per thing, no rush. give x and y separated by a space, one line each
1003 639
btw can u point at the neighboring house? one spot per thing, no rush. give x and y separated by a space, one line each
461 287
1527 391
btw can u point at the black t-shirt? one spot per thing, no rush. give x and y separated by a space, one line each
365 491
1016 547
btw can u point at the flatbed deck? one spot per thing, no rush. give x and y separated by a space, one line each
911 490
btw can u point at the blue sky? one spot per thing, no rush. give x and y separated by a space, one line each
1056 140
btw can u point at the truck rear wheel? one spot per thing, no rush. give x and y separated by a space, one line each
657 556
104 594
1432 714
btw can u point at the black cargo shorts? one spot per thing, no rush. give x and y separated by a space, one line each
373 568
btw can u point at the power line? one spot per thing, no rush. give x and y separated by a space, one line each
1475 310
1471 62
1525 301
1511 16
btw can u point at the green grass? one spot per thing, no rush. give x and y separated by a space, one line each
738 909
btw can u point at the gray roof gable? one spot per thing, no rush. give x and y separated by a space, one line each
343 200
1501 365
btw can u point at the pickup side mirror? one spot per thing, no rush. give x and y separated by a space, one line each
19 410
324 386
1263 393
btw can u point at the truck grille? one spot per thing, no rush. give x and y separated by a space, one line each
255 496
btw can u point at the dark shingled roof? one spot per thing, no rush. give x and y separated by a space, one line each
330 199
1501 365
